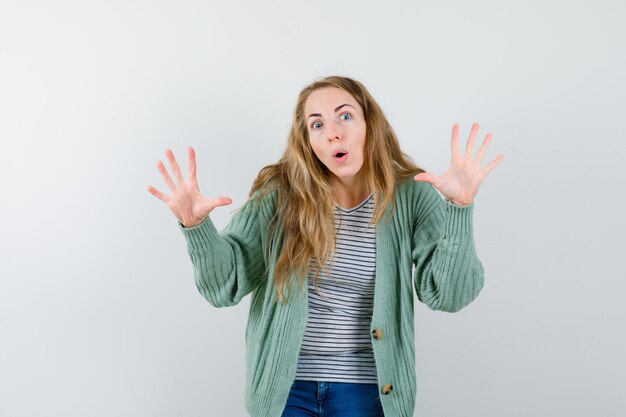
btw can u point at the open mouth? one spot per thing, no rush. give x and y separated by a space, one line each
341 156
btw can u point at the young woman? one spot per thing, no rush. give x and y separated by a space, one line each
331 243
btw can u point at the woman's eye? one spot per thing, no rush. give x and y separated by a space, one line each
315 125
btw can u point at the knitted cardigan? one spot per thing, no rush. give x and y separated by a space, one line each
427 245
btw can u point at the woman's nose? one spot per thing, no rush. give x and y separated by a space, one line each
333 131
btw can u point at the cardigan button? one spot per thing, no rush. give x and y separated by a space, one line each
377 333
387 388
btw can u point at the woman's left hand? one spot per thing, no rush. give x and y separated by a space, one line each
461 182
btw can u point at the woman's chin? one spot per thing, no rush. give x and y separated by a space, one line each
345 177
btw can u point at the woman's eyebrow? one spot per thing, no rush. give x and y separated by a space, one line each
336 110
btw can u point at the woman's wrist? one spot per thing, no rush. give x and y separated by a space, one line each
457 203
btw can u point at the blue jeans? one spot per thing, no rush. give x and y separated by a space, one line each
333 399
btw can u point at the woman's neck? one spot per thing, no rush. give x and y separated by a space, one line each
350 193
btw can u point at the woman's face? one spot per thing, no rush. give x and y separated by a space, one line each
337 130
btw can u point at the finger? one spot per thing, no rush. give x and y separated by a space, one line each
166 176
158 194
455 142
469 149
175 167
493 164
483 148
192 165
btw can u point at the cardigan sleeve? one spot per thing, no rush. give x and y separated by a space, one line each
230 264
448 274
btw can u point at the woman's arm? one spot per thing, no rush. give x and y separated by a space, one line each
228 265
448 274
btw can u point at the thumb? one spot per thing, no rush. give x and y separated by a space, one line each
221 201
424 176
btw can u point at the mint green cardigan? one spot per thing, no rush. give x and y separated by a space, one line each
428 245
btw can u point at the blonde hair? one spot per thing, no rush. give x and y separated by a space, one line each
305 198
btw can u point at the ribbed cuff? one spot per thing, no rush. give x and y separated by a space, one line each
199 236
459 220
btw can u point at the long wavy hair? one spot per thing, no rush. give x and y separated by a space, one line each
305 198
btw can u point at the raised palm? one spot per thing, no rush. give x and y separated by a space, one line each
189 206
461 182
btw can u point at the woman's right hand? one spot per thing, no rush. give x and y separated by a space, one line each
188 205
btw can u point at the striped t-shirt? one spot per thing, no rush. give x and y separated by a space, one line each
337 344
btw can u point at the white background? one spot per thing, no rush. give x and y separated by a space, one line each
99 313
